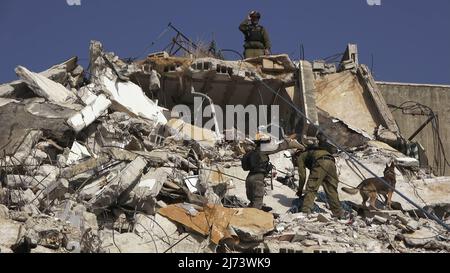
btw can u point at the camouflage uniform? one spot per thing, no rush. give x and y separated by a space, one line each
254 184
259 167
322 172
256 39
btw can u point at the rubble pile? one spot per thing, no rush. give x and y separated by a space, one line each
92 163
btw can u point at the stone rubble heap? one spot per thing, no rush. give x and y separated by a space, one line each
92 164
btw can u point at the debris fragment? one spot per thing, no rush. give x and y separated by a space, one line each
44 87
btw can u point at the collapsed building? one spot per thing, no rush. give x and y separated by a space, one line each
102 160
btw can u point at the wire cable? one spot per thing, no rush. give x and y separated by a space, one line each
354 159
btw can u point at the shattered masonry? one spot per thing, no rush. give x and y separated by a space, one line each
103 164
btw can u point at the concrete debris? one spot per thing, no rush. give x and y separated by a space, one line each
131 97
44 87
10 231
407 162
181 130
59 73
247 224
110 194
4 212
90 113
109 164
143 196
77 153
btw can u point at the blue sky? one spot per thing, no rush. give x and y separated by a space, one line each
409 39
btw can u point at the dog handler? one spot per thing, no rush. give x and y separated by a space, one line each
322 168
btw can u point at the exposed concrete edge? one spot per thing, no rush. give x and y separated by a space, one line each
371 87
413 84
308 89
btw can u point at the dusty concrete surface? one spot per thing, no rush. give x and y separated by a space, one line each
336 93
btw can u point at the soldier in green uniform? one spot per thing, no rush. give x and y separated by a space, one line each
257 162
254 184
319 160
257 42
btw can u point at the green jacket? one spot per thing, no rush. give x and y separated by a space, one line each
256 36
258 160
308 160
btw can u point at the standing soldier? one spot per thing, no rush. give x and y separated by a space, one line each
257 42
321 164
258 164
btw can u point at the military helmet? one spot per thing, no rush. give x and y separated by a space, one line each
255 14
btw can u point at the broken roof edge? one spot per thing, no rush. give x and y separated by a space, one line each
413 84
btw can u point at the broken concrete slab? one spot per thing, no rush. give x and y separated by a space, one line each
89 191
126 181
130 96
212 220
4 212
89 114
387 136
125 243
181 130
149 226
58 73
44 87
274 63
143 196
21 198
10 231
384 113
342 96
56 190
19 149
77 153
120 154
420 238
20 118
251 224
406 162
86 94
16 89
25 182
87 165
307 88
4 101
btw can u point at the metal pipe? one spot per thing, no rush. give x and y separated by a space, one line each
213 112
421 127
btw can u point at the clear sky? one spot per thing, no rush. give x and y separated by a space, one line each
409 39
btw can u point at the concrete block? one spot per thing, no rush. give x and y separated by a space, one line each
308 93
270 65
407 162
126 181
131 97
4 212
89 114
380 219
318 65
44 87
